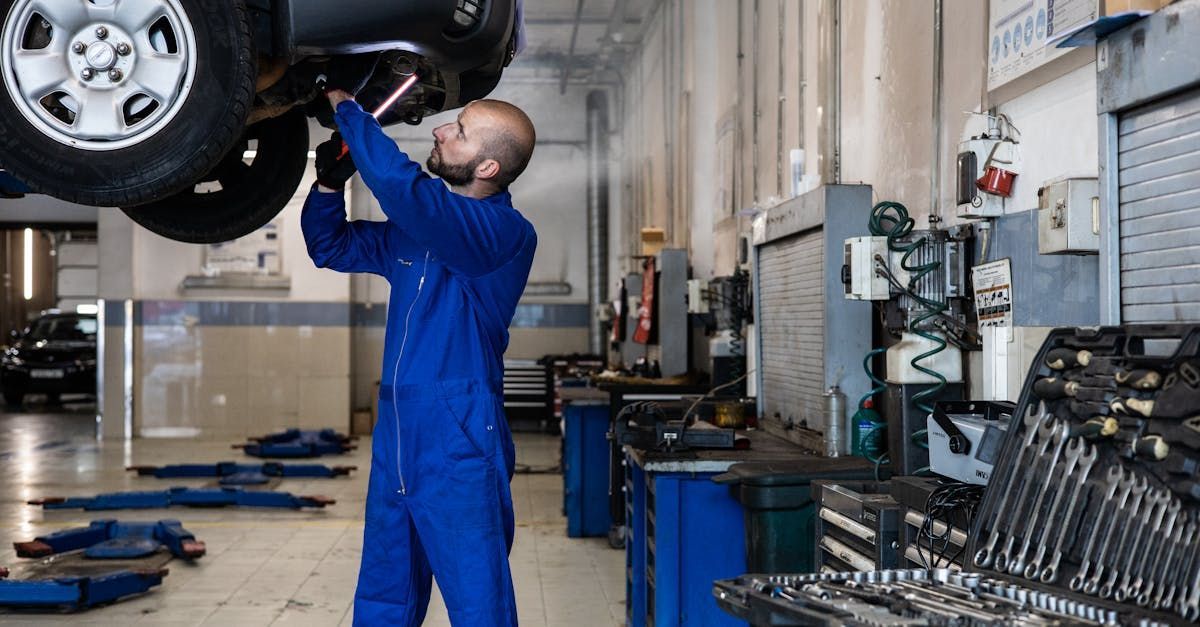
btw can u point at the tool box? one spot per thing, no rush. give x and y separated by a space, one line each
857 525
1091 516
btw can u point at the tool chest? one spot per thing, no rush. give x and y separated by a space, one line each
1092 515
856 526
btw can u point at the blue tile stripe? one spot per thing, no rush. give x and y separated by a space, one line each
316 314
241 314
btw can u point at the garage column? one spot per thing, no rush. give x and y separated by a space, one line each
114 389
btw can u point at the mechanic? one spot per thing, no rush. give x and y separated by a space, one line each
457 258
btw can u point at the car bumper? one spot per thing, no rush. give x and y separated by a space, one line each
62 380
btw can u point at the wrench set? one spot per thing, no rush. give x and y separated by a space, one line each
1090 517
1096 496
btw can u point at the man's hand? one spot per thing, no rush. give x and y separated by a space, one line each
337 97
333 167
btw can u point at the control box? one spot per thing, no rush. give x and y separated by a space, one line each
1069 217
859 275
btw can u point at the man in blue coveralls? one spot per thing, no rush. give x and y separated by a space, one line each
457 259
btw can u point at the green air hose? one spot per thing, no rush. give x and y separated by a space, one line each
891 220
872 437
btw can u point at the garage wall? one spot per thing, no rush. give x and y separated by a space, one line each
716 66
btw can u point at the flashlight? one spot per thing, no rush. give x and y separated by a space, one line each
387 104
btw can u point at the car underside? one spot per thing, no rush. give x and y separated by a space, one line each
192 115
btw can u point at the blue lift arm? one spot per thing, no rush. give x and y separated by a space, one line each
232 473
195 497
110 539
78 592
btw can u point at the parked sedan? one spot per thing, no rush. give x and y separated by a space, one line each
56 355
192 115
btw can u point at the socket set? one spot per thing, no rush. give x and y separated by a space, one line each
1099 493
901 597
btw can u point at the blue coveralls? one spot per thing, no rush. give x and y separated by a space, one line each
442 455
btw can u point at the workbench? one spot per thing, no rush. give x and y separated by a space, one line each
683 531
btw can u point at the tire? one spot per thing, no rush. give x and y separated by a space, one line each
201 118
13 397
249 196
53 399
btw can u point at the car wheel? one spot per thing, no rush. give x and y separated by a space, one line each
14 396
245 191
121 102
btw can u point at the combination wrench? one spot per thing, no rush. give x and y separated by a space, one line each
1158 503
1127 523
1113 480
1162 554
1050 573
1030 525
1120 514
1076 450
1046 431
1163 521
1179 571
984 557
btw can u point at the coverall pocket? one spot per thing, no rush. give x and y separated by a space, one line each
473 435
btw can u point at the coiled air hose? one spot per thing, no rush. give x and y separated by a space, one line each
891 220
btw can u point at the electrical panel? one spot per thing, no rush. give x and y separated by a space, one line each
1069 217
860 276
972 203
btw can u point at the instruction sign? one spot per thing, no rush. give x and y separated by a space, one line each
1019 29
256 253
993 294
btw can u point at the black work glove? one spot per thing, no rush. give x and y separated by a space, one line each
334 168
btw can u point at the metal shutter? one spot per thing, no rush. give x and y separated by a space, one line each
792 324
1159 179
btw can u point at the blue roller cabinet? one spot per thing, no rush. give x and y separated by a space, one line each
585 469
684 532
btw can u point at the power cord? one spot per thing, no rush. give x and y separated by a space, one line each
955 505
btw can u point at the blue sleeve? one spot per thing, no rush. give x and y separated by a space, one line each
334 243
472 237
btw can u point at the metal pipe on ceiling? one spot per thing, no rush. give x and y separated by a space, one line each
566 70
597 212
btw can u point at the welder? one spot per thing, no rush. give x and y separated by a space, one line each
457 256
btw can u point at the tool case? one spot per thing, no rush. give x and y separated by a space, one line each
1092 514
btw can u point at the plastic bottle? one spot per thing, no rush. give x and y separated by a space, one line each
867 431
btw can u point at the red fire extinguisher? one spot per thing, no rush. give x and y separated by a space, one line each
1000 170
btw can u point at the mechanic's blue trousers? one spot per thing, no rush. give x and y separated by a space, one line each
442 508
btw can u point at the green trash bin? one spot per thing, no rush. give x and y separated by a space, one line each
779 510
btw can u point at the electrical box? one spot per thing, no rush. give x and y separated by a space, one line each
1069 217
861 280
972 203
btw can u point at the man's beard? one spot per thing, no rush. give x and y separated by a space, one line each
456 175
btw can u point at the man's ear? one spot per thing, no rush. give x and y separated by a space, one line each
487 169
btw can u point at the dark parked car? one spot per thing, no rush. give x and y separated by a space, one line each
56 355
192 115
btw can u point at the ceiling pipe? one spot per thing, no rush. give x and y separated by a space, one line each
597 213
566 70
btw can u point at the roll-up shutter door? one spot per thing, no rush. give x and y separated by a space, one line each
1159 178
792 323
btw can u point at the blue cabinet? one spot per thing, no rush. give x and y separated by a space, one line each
585 469
683 532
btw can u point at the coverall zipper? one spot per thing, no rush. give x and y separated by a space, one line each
396 370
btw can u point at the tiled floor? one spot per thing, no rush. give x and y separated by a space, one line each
279 567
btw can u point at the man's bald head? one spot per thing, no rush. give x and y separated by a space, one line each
509 138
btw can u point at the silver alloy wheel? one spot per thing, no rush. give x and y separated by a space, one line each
98 74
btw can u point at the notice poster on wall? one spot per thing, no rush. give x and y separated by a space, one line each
256 253
1019 29
993 294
